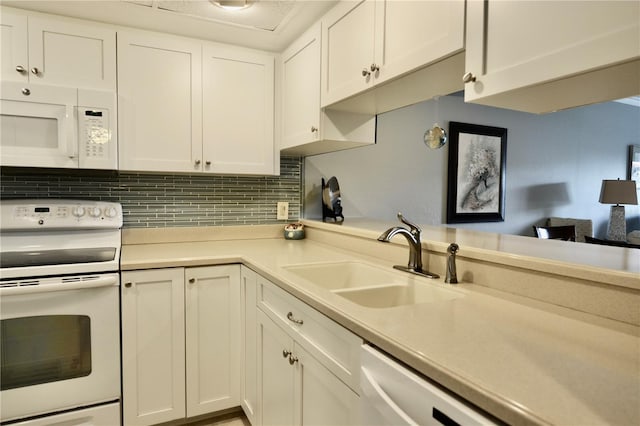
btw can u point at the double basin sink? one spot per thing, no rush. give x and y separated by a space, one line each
371 286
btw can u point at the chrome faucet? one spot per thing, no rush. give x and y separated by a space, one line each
415 246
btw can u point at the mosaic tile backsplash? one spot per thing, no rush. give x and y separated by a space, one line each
156 201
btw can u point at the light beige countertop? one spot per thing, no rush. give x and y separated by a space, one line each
523 361
614 265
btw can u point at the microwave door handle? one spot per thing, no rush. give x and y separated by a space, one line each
72 130
106 281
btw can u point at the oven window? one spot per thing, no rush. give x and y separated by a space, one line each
43 349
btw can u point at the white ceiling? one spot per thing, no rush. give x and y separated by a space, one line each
266 24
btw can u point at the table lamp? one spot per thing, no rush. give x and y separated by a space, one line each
618 192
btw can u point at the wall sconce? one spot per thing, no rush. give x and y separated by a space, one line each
618 192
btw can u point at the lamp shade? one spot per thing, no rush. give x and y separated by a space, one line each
618 192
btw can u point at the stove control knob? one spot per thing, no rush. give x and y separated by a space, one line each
110 212
95 211
78 211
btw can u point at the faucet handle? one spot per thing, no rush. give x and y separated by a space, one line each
415 229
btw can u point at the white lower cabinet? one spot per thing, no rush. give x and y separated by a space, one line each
248 354
307 364
180 342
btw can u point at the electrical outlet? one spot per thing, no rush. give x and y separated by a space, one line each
283 210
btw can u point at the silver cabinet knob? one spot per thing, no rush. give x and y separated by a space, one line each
292 359
197 162
26 91
374 67
468 78
20 69
35 71
365 72
285 353
314 129
192 280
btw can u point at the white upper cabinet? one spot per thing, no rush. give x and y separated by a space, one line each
238 108
160 112
57 51
15 47
307 128
415 34
189 107
372 42
540 56
348 51
300 68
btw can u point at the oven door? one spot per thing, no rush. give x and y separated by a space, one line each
60 344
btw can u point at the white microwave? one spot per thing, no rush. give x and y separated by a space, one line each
50 126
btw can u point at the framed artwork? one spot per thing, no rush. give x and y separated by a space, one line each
477 173
633 166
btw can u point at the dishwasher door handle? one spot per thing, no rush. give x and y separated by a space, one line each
390 411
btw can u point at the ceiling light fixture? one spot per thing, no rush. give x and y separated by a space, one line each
233 4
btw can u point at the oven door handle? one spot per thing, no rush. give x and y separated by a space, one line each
105 281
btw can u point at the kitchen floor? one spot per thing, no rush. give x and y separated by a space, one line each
234 419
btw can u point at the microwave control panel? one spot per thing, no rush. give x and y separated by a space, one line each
94 132
97 137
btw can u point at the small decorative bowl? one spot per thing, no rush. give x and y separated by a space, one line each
294 231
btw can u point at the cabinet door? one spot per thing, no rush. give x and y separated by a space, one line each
301 90
153 360
347 50
412 34
13 38
513 45
275 374
248 358
74 54
159 103
238 97
321 398
212 305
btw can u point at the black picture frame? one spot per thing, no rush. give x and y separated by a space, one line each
477 173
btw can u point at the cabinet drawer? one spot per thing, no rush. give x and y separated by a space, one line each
333 345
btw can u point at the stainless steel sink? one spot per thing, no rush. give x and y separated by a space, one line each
371 286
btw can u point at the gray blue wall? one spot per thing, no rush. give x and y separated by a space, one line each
568 151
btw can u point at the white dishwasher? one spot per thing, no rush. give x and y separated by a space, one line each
393 395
